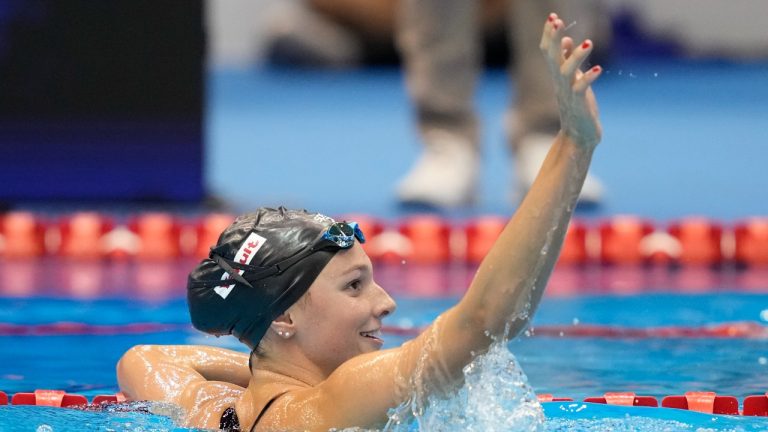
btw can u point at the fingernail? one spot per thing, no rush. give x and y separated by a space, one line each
596 69
551 17
585 45
556 26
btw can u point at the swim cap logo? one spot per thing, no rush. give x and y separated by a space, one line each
323 219
244 255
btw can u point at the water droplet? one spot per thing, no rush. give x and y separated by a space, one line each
764 315
763 361
655 74
44 428
575 321
402 262
562 334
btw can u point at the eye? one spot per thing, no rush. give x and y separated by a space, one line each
356 285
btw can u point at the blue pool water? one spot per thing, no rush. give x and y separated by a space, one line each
564 365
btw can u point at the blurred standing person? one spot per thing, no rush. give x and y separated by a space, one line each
440 44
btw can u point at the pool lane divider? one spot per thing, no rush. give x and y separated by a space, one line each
727 330
75 328
701 401
425 238
58 398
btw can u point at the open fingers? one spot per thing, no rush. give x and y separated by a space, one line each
550 38
577 57
546 32
585 79
566 46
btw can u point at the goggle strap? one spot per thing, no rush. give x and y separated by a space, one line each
233 274
257 273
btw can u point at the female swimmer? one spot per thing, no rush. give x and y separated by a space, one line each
298 289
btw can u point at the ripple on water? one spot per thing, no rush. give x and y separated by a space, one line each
133 416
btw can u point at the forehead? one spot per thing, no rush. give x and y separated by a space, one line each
347 260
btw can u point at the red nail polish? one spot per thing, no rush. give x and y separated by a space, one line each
596 69
556 26
585 45
551 18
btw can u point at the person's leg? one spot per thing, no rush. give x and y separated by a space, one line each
533 119
439 43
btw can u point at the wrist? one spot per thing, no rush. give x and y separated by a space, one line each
577 148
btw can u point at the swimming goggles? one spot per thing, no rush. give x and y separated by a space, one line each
339 235
343 234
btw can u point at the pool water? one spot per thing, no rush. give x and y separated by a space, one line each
556 355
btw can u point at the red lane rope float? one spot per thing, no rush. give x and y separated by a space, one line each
706 402
52 398
427 238
100 399
58 398
624 398
729 330
756 405
22 235
701 401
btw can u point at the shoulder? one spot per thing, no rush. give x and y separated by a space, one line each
205 401
357 394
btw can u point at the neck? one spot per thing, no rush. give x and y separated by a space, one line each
284 368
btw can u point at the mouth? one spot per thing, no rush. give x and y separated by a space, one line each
373 334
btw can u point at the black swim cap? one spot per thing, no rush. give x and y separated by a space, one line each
261 265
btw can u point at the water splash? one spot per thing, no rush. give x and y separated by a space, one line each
495 396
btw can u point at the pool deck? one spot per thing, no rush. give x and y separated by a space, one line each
681 138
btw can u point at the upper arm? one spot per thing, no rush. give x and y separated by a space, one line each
151 372
147 372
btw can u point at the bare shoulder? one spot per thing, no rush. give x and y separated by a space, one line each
358 393
205 401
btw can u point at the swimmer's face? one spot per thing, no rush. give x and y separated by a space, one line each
342 316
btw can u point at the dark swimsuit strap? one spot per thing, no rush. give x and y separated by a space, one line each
266 407
230 423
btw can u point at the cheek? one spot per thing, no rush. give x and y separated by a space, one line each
339 315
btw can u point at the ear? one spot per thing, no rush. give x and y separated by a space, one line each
283 325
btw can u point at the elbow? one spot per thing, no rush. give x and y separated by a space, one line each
475 323
488 323
131 367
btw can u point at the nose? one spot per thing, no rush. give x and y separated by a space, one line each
385 305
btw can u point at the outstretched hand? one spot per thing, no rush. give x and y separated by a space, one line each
579 118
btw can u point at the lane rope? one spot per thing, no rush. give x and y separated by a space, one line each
726 330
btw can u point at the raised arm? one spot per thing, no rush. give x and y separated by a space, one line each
511 279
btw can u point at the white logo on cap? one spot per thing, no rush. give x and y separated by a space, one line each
244 255
323 219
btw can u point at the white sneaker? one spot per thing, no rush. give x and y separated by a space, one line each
445 175
296 35
532 150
